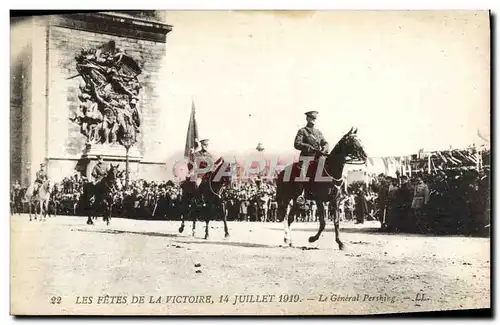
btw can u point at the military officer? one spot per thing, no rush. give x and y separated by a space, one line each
202 159
100 170
203 156
41 176
309 140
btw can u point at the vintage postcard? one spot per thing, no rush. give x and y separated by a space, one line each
250 162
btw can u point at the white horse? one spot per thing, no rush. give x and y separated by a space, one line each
40 199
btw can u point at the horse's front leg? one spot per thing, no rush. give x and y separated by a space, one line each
108 217
281 214
30 206
226 229
207 211
193 214
336 222
322 214
44 209
90 209
40 208
291 218
181 228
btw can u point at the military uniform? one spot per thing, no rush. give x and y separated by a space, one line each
420 196
99 172
201 159
41 176
204 158
310 140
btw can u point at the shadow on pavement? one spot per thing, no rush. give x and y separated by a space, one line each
227 243
195 241
379 231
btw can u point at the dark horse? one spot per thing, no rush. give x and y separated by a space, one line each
289 186
206 199
102 193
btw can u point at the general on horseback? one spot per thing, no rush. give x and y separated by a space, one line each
317 176
312 145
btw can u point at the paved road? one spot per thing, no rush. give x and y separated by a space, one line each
377 273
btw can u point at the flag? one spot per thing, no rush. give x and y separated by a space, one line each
192 134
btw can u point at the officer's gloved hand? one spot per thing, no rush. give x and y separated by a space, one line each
321 152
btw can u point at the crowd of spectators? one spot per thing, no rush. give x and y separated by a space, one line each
451 201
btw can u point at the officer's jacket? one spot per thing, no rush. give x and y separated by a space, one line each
308 140
99 171
204 158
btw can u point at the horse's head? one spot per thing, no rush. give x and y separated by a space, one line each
224 170
48 185
113 175
351 148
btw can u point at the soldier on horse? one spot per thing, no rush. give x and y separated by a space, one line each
200 160
41 176
312 145
323 175
100 170
202 189
309 140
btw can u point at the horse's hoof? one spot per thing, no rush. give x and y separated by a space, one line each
226 235
206 237
181 229
341 246
312 239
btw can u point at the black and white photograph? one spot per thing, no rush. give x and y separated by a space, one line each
250 162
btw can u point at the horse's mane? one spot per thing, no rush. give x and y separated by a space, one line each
223 179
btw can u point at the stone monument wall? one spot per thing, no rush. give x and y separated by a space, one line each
66 36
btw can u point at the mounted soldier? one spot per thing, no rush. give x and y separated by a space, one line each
41 176
309 140
200 160
312 145
99 171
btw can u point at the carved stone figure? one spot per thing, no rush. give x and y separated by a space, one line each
108 99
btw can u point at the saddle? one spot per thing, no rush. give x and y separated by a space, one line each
313 188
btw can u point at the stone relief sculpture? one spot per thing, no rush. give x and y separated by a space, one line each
108 112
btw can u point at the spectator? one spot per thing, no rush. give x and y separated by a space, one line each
419 203
361 206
